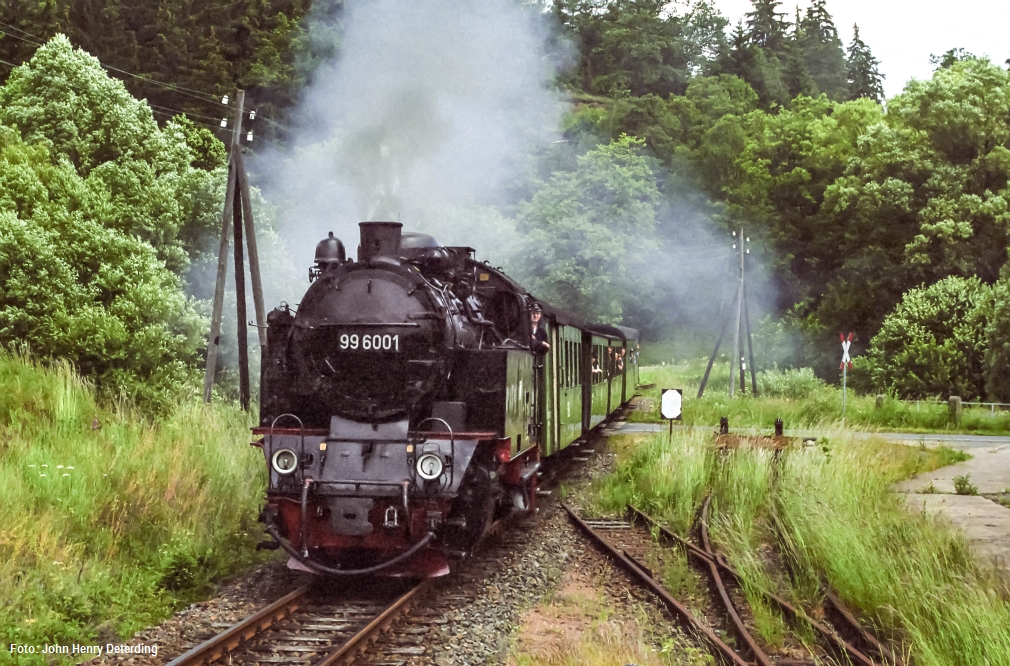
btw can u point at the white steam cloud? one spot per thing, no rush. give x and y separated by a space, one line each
430 106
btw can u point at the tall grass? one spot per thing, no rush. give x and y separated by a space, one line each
911 576
907 572
802 401
108 522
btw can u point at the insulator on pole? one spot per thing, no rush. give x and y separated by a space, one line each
224 122
252 115
224 100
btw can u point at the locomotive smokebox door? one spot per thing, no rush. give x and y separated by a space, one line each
349 515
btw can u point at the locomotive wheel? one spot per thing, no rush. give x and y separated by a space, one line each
475 504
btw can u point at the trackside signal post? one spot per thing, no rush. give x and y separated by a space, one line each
237 217
671 406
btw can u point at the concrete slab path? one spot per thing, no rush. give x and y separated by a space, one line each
986 525
988 470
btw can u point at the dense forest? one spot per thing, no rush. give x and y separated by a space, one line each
887 219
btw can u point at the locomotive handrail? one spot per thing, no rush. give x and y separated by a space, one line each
400 324
301 434
452 445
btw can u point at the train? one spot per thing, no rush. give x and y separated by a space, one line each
406 404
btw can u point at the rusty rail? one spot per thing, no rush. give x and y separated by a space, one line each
357 643
741 629
675 606
227 641
857 627
796 614
231 638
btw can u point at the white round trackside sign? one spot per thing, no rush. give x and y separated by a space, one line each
671 404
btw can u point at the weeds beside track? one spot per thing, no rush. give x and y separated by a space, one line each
909 578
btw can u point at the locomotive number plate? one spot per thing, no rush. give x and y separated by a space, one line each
377 342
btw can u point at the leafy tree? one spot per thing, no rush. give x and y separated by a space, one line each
997 357
704 33
865 80
142 175
947 60
934 342
74 289
586 229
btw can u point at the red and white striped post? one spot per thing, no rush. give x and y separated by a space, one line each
845 365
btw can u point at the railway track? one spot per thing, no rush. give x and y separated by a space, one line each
628 542
311 626
322 625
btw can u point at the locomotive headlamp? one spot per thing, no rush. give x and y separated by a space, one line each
284 461
429 466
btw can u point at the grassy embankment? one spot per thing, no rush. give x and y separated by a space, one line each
105 530
908 576
802 401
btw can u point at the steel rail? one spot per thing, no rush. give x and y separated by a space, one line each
857 627
713 569
346 653
215 647
793 612
675 606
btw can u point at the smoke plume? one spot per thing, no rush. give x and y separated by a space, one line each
430 105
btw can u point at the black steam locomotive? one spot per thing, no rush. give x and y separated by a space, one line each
403 409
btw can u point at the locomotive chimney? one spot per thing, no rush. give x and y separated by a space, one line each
380 239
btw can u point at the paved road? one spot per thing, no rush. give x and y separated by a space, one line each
954 440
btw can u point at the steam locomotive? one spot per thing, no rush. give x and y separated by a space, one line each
404 411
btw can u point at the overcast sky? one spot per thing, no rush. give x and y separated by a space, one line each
903 33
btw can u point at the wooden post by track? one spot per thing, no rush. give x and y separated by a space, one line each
238 216
741 329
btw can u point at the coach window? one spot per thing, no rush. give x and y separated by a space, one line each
572 359
568 363
578 363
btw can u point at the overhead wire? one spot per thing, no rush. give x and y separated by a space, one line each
196 94
195 122
206 97
188 114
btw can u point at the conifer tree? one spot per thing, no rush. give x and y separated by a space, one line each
767 29
865 80
822 51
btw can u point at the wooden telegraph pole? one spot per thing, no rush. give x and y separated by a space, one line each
742 326
237 217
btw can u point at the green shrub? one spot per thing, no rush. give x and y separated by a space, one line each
934 342
795 383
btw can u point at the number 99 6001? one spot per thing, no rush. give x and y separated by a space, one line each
368 342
